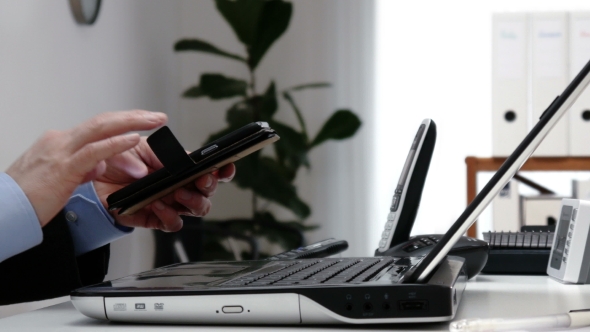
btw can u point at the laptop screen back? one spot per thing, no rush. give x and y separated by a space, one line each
512 164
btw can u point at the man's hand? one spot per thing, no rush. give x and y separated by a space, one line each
59 161
124 168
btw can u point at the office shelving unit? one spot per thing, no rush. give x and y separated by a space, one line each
477 164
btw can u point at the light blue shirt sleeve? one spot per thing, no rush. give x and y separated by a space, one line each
91 226
19 226
90 223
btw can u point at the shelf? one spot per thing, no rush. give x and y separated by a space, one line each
476 164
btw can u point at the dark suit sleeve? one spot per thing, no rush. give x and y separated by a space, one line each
50 269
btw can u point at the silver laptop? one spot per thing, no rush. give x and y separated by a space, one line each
315 291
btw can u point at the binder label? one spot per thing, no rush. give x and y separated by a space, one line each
549 51
511 50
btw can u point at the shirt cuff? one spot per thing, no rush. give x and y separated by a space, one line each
20 229
91 226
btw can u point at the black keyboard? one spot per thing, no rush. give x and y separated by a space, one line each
323 271
525 252
531 240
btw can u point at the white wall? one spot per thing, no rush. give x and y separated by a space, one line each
55 74
433 59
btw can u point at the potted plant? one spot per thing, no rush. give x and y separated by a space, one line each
257 25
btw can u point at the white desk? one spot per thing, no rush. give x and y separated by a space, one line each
485 297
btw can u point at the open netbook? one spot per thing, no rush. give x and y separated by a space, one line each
312 291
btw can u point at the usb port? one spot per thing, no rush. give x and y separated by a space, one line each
413 305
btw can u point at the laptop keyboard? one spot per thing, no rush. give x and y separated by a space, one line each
324 271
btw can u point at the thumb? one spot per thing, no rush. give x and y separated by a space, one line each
127 166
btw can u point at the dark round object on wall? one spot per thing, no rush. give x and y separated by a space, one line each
85 11
510 115
586 115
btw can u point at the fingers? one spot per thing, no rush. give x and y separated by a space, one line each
169 220
127 167
165 214
114 123
207 184
196 203
227 173
193 199
85 160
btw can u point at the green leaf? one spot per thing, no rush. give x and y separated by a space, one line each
304 228
269 180
213 250
193 92
257 108
205 47
298 113
291 149
276 231
240 114
247 172
268 103
217 86
310 86
242 16
257 23
272 23
343 124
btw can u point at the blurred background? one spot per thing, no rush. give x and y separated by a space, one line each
392 63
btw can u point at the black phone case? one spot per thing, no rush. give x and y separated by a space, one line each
181 168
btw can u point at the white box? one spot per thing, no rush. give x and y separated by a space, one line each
541 210
570 252
581 189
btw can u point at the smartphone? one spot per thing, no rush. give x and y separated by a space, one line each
181 168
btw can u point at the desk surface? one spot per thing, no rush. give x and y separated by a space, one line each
485 296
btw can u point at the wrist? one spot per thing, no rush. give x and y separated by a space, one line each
92 194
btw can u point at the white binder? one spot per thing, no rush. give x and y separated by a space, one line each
549 55
506 209
579 114
509 81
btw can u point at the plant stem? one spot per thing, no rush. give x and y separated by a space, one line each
252 82
291 101
252 86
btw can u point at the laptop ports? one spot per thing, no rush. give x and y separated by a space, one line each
413 305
